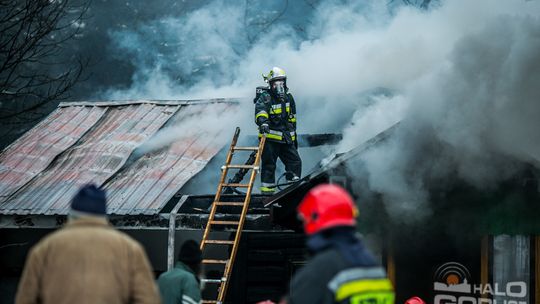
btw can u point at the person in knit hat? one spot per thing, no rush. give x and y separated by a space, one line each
181 284
89 201
87 261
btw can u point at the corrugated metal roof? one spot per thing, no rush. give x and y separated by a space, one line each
78 144
36 149
151 181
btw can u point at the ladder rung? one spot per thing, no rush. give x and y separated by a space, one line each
215 261
235 185
224 222
243 167
214 281
219 242
229 204
246 148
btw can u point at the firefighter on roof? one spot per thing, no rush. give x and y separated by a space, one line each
275 114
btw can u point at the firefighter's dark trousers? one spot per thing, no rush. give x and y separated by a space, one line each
288 155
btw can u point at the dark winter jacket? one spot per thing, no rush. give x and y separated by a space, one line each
341 271
279 114
179 285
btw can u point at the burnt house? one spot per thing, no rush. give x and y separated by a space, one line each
161 196
160 169
488 239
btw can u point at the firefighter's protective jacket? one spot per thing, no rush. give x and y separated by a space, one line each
279 114
342 271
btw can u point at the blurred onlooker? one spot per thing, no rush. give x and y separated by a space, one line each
87 261
181 284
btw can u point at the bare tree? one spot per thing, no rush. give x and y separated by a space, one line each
423 4
34 70
264 25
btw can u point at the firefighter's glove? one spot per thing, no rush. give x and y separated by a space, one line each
264 128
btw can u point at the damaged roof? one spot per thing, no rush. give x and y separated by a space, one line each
97 142
320 174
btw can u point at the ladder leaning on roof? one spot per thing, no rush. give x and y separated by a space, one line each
228 261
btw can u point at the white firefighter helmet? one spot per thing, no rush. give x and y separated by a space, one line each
275 74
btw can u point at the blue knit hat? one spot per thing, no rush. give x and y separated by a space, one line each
89 200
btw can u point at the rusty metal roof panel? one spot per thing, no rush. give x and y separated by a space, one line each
81 143
147 185
35 150
98 155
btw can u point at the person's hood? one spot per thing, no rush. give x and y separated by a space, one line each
344 240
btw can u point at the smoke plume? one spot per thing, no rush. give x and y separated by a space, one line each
473 115
462 77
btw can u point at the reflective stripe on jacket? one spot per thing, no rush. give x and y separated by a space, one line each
362 285
278 135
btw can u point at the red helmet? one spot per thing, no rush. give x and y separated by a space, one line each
415 300
327 206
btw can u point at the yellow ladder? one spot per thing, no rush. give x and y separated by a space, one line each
228 261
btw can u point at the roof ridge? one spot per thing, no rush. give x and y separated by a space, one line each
112 103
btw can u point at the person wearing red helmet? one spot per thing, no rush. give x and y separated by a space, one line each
415 300
341 269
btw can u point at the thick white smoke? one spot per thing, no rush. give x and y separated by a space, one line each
462 77
473 114
190 126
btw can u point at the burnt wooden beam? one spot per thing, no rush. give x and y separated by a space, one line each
192 220
314 140
309 140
